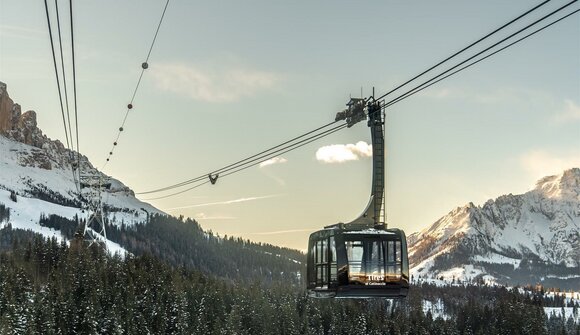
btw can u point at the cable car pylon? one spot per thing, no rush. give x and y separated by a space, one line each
94 227
361 258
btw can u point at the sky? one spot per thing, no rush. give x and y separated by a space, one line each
228 79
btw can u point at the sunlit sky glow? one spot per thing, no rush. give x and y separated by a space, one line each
228 79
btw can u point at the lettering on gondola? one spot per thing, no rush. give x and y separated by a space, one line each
375 278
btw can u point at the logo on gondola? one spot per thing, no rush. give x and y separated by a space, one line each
376 278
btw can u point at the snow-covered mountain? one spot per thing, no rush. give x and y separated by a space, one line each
36 177
529 238
38 194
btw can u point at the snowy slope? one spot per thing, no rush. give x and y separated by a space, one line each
517 239
25 212
19 173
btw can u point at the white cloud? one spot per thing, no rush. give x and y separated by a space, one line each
201 83
541 163
227 202
272 161
571 112
338 153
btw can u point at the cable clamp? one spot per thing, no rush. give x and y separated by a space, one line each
213 178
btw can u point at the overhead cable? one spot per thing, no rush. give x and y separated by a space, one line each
72 41
237 163
418 88
63 74
56 73
258 159
464 49
67 131
144 66
242 167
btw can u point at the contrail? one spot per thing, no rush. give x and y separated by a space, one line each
215 218
282 232
228 202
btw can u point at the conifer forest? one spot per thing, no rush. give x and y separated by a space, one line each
47 287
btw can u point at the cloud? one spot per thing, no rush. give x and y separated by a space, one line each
227 202
204 84
272 161
338 153
541 163
571 112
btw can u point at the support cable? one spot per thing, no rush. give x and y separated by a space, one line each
239 162
259 160
144 66
69 144
464 49
408 94
72 40
310 140
63 74
56 74
418 88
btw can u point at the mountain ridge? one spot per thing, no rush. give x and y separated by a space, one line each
536 233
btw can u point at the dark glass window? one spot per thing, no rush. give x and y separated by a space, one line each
321 262
332 258
373 260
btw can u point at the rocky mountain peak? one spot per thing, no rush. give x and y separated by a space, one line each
523 238
564 185
21 127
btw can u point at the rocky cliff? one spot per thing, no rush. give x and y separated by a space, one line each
516 239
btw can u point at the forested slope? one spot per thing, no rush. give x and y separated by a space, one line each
47 287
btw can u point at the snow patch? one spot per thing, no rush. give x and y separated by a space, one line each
497 259
436 308
565 312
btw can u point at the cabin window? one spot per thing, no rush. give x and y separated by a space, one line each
332 258
325 261
372 260
398 252
391 251
354 254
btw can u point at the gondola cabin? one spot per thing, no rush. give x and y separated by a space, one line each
348 263
362 258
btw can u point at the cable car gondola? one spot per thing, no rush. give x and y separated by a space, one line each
361 259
